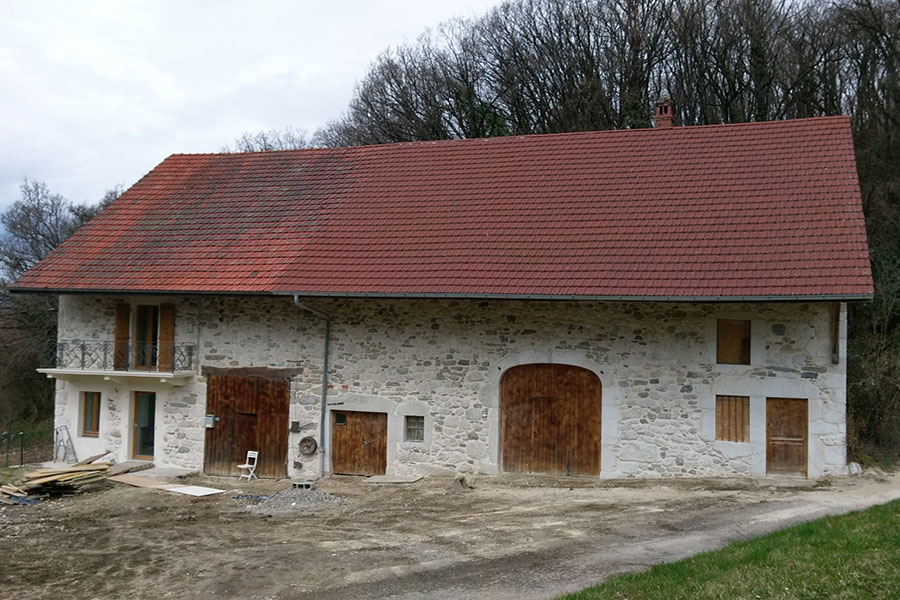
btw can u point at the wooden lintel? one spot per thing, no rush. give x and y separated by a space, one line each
269 372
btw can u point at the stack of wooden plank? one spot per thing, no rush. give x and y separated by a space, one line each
55 481
65 480
10 494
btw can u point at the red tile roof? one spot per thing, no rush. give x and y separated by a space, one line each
750 210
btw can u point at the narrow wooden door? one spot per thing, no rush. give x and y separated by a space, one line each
250 413
273 400
217 449
358 442
786 435
550 420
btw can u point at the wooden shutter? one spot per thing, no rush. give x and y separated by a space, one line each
733 342
733 418
166 336
122 331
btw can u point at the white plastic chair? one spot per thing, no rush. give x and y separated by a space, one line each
249 466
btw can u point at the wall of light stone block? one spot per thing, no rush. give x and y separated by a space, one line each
444 359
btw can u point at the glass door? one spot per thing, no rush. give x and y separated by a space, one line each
144 424
146 337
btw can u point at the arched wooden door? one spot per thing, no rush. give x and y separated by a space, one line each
550 420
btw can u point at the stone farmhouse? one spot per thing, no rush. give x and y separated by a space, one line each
644 303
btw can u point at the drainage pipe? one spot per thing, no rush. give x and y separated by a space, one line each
323 409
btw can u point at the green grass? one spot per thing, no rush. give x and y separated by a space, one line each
852 556
13 475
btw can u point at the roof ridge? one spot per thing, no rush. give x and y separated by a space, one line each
529 136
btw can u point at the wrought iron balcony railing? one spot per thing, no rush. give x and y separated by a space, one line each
110 356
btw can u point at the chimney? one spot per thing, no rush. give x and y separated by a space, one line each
665 109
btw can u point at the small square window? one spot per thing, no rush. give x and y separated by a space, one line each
733 418
415 429
90 414
340 418
733 342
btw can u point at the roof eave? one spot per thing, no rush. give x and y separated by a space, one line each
463 296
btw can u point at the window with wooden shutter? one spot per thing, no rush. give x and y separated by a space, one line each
733 418
122 334
733 342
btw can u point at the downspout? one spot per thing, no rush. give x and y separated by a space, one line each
325 317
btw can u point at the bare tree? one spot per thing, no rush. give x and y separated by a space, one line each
289 138
35 225
84 212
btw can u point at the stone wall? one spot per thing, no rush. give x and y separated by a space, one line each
443 359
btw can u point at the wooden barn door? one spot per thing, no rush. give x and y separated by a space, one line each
786 435
251 414
550 420
358 442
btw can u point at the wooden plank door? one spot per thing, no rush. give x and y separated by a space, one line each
273 398
358 442
243 399
217 449
550 420
251 414
786 435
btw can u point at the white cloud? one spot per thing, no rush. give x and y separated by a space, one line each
97 93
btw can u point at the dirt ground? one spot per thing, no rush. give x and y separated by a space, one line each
509 536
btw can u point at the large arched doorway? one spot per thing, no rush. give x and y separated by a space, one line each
550 420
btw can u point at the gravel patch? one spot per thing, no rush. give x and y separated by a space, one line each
290 500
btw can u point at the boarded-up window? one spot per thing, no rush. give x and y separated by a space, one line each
733 418
733 342
90 414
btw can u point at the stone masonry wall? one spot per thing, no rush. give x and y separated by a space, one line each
443 359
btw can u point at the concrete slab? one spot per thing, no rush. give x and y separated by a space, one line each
392 479
139 480
165 472
130 466
148 482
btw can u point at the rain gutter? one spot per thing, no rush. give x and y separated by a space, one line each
461 295
327 318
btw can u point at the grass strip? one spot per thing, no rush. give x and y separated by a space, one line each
851 556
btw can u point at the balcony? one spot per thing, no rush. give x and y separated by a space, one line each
112 361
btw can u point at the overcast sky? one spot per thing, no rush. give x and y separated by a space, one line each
95 93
